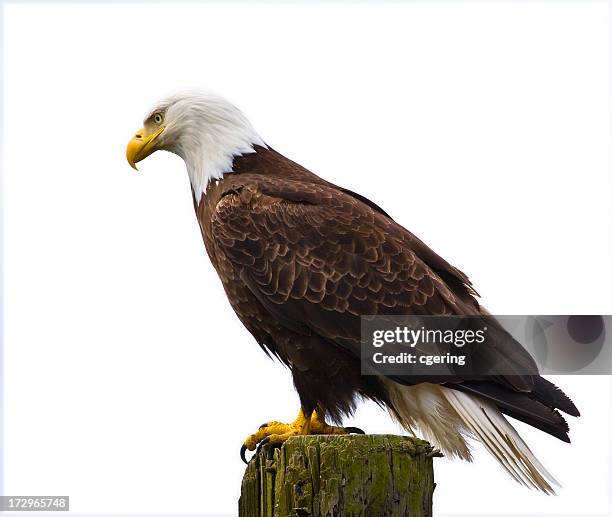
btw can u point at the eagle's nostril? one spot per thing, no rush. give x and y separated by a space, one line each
138 135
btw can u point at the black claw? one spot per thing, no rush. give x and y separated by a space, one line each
354 430
262 443
243 453
265 424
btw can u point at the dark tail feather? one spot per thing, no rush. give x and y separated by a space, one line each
550 395
520 406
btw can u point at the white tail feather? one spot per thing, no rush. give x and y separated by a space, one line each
446 417
501 439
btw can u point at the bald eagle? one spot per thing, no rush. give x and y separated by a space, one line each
301 260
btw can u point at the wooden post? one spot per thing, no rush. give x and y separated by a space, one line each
344 476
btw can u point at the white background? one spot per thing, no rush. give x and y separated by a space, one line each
482 127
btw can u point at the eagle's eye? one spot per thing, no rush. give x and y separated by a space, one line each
158 118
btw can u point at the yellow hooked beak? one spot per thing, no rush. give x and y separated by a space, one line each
141 145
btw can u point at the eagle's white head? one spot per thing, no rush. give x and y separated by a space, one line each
205 130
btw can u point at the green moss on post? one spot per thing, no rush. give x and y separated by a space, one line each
345 476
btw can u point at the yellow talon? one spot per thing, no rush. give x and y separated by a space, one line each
276 433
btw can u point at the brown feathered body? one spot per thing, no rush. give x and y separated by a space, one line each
301 260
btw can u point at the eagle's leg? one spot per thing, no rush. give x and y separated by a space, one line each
276 433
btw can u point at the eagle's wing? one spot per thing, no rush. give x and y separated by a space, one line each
318 258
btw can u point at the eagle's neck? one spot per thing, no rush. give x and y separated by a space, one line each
212 159
211 138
